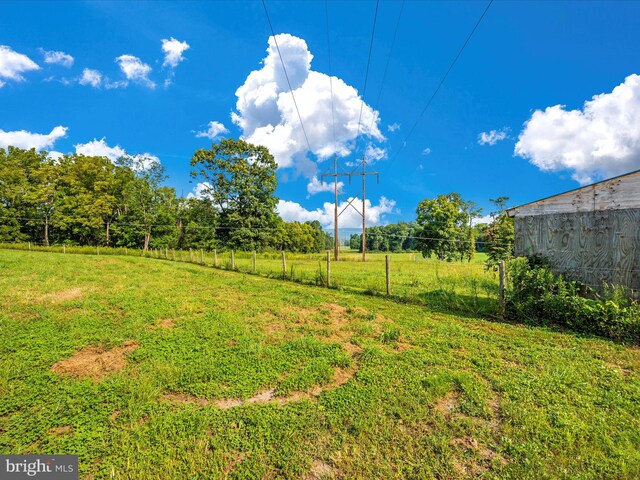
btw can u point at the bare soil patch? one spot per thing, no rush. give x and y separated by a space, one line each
60 431
165 323
448 404
319 470
63 296
95 362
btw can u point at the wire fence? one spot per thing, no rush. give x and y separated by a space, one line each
450 286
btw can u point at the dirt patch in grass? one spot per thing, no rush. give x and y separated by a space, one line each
318 471
95 362
448 404
620 370
60 431
165 323
63 296
481 459
339 377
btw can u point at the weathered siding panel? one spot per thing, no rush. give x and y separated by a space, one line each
619 193
593 247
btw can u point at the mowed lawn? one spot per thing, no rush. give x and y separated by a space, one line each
147 369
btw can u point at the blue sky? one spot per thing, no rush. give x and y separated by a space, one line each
523 81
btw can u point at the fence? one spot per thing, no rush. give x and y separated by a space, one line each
449 286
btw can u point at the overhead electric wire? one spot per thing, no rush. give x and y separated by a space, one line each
442 80
275 40
366 75
386 67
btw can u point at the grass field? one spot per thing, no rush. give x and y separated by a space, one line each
465 287
154 369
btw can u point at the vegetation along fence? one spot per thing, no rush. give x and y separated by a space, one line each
448 286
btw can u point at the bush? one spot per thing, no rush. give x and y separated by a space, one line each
540 297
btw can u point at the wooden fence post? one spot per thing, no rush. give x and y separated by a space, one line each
64 248
254 262
29 246
202 256
328 269
386 260
97 250
502 286
215 258
233 260
284 266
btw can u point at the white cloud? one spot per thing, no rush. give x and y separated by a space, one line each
316 186
600 141
393 127
55 155
478 220
215 129
134 70
294 212
100 148
374 154
200 191
57 58
13 64
91 77
267 115
28 140
426 151
492 137
173 50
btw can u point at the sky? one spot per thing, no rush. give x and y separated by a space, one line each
544 98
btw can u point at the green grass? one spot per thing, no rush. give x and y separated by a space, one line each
429 395
464 287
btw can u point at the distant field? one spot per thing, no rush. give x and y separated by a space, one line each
154 369
452 286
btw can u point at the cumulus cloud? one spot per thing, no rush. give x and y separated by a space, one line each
600 141
57 58
492 137
91 77
294 212
100 148
134 70
393 127
317 186
173 50
480 220
28 140
266 113
213 131
13 64
426 151
200 191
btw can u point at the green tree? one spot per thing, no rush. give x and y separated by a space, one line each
445 227
500 234
239 181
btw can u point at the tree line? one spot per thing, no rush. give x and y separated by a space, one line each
89 200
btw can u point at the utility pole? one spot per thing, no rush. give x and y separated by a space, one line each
335 176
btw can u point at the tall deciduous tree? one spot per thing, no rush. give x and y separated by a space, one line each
239 180
445 227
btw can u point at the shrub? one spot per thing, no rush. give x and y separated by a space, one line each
538 296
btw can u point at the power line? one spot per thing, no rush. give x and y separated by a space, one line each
386 68
366 75
333 119
275 40
442 80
